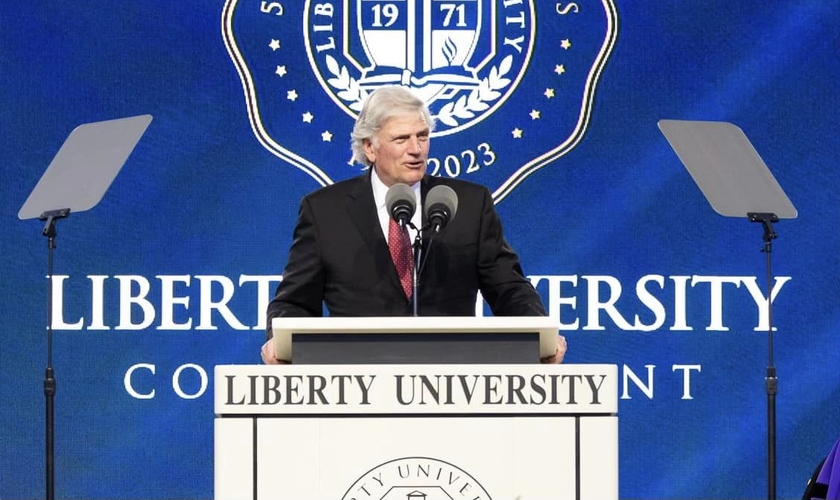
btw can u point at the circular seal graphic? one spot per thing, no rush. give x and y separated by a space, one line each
464 58
510 83
416 478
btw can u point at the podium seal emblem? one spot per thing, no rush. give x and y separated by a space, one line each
416 478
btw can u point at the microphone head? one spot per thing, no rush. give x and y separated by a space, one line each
441 205
401 203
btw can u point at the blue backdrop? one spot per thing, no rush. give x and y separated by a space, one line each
553 105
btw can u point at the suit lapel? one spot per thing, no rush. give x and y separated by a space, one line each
362 210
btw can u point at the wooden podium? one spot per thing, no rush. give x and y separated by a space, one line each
367 429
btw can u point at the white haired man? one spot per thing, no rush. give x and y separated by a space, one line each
340 256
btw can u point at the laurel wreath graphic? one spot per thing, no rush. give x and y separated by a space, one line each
487 91
347 86
464 108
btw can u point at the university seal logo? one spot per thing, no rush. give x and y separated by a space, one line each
416 478
511 83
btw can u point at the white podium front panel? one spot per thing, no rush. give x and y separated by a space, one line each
480 452
459 457
234 458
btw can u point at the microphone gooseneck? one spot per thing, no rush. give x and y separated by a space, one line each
441 205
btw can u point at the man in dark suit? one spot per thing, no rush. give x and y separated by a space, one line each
340 256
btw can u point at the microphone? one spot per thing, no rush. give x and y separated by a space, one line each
401 203
441 205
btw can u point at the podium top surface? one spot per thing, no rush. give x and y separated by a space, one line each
411 324
546 327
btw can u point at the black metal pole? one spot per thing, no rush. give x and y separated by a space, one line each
49 376
770 379
771 384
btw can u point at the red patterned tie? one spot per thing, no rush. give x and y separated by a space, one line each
400 249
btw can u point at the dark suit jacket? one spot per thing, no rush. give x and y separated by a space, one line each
339 258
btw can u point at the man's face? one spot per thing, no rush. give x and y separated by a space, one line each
400 149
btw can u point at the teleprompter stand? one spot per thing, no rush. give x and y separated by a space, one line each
76 180
737 183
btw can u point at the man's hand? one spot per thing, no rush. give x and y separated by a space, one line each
558 355
267 354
